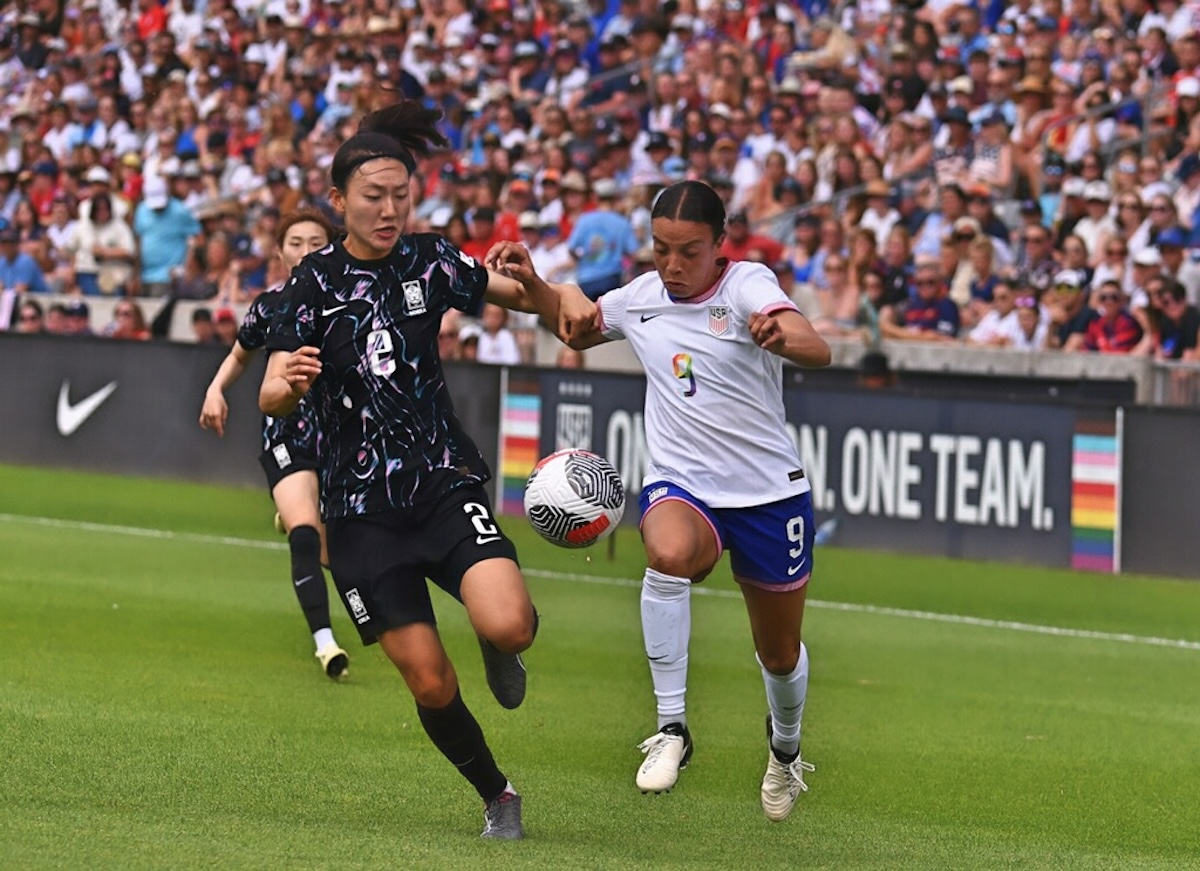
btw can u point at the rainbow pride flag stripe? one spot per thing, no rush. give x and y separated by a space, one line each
520 426
1095 497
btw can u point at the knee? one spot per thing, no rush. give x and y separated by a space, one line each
515 638
675 559
780 659
431 688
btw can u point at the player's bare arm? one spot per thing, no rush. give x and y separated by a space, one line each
215 410
288 378
563 307
788 333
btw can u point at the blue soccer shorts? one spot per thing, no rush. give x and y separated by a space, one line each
769 546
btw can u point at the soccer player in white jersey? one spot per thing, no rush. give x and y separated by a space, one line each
724 474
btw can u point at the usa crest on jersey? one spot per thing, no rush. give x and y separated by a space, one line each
718 319
414 298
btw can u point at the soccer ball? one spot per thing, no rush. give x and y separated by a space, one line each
574 498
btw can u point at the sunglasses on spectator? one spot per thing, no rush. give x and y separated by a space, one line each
927 282
1116 252
1067 288
1036 240
1026 302
1107 297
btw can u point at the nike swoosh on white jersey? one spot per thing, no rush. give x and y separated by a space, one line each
329 311
71 416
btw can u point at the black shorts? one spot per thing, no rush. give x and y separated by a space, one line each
282 458
289 444
380 562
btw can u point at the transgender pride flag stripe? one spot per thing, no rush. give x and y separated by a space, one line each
1096 495
520 426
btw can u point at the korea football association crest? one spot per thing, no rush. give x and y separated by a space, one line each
414 297
718 319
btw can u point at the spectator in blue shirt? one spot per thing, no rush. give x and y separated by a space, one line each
600 242
18 271
164 225
930 315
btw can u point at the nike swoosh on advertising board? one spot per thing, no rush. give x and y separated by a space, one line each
71 416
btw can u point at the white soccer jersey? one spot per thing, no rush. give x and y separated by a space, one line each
714 399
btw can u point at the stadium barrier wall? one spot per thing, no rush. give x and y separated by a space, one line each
133 408
1094 486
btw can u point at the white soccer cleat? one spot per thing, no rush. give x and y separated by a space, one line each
782 784
335 662
667 751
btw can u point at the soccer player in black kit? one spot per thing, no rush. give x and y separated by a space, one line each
401 481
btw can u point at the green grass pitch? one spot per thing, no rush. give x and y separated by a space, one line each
160 708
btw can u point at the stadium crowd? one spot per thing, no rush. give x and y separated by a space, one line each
1011 174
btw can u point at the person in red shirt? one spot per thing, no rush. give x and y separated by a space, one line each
152 19
1116 331
741 244
482 233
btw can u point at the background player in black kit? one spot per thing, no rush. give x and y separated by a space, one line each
290 444
401 482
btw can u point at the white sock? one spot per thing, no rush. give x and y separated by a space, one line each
666 628
323 637
785 697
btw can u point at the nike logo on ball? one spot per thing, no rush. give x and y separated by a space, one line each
71 416
329 311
